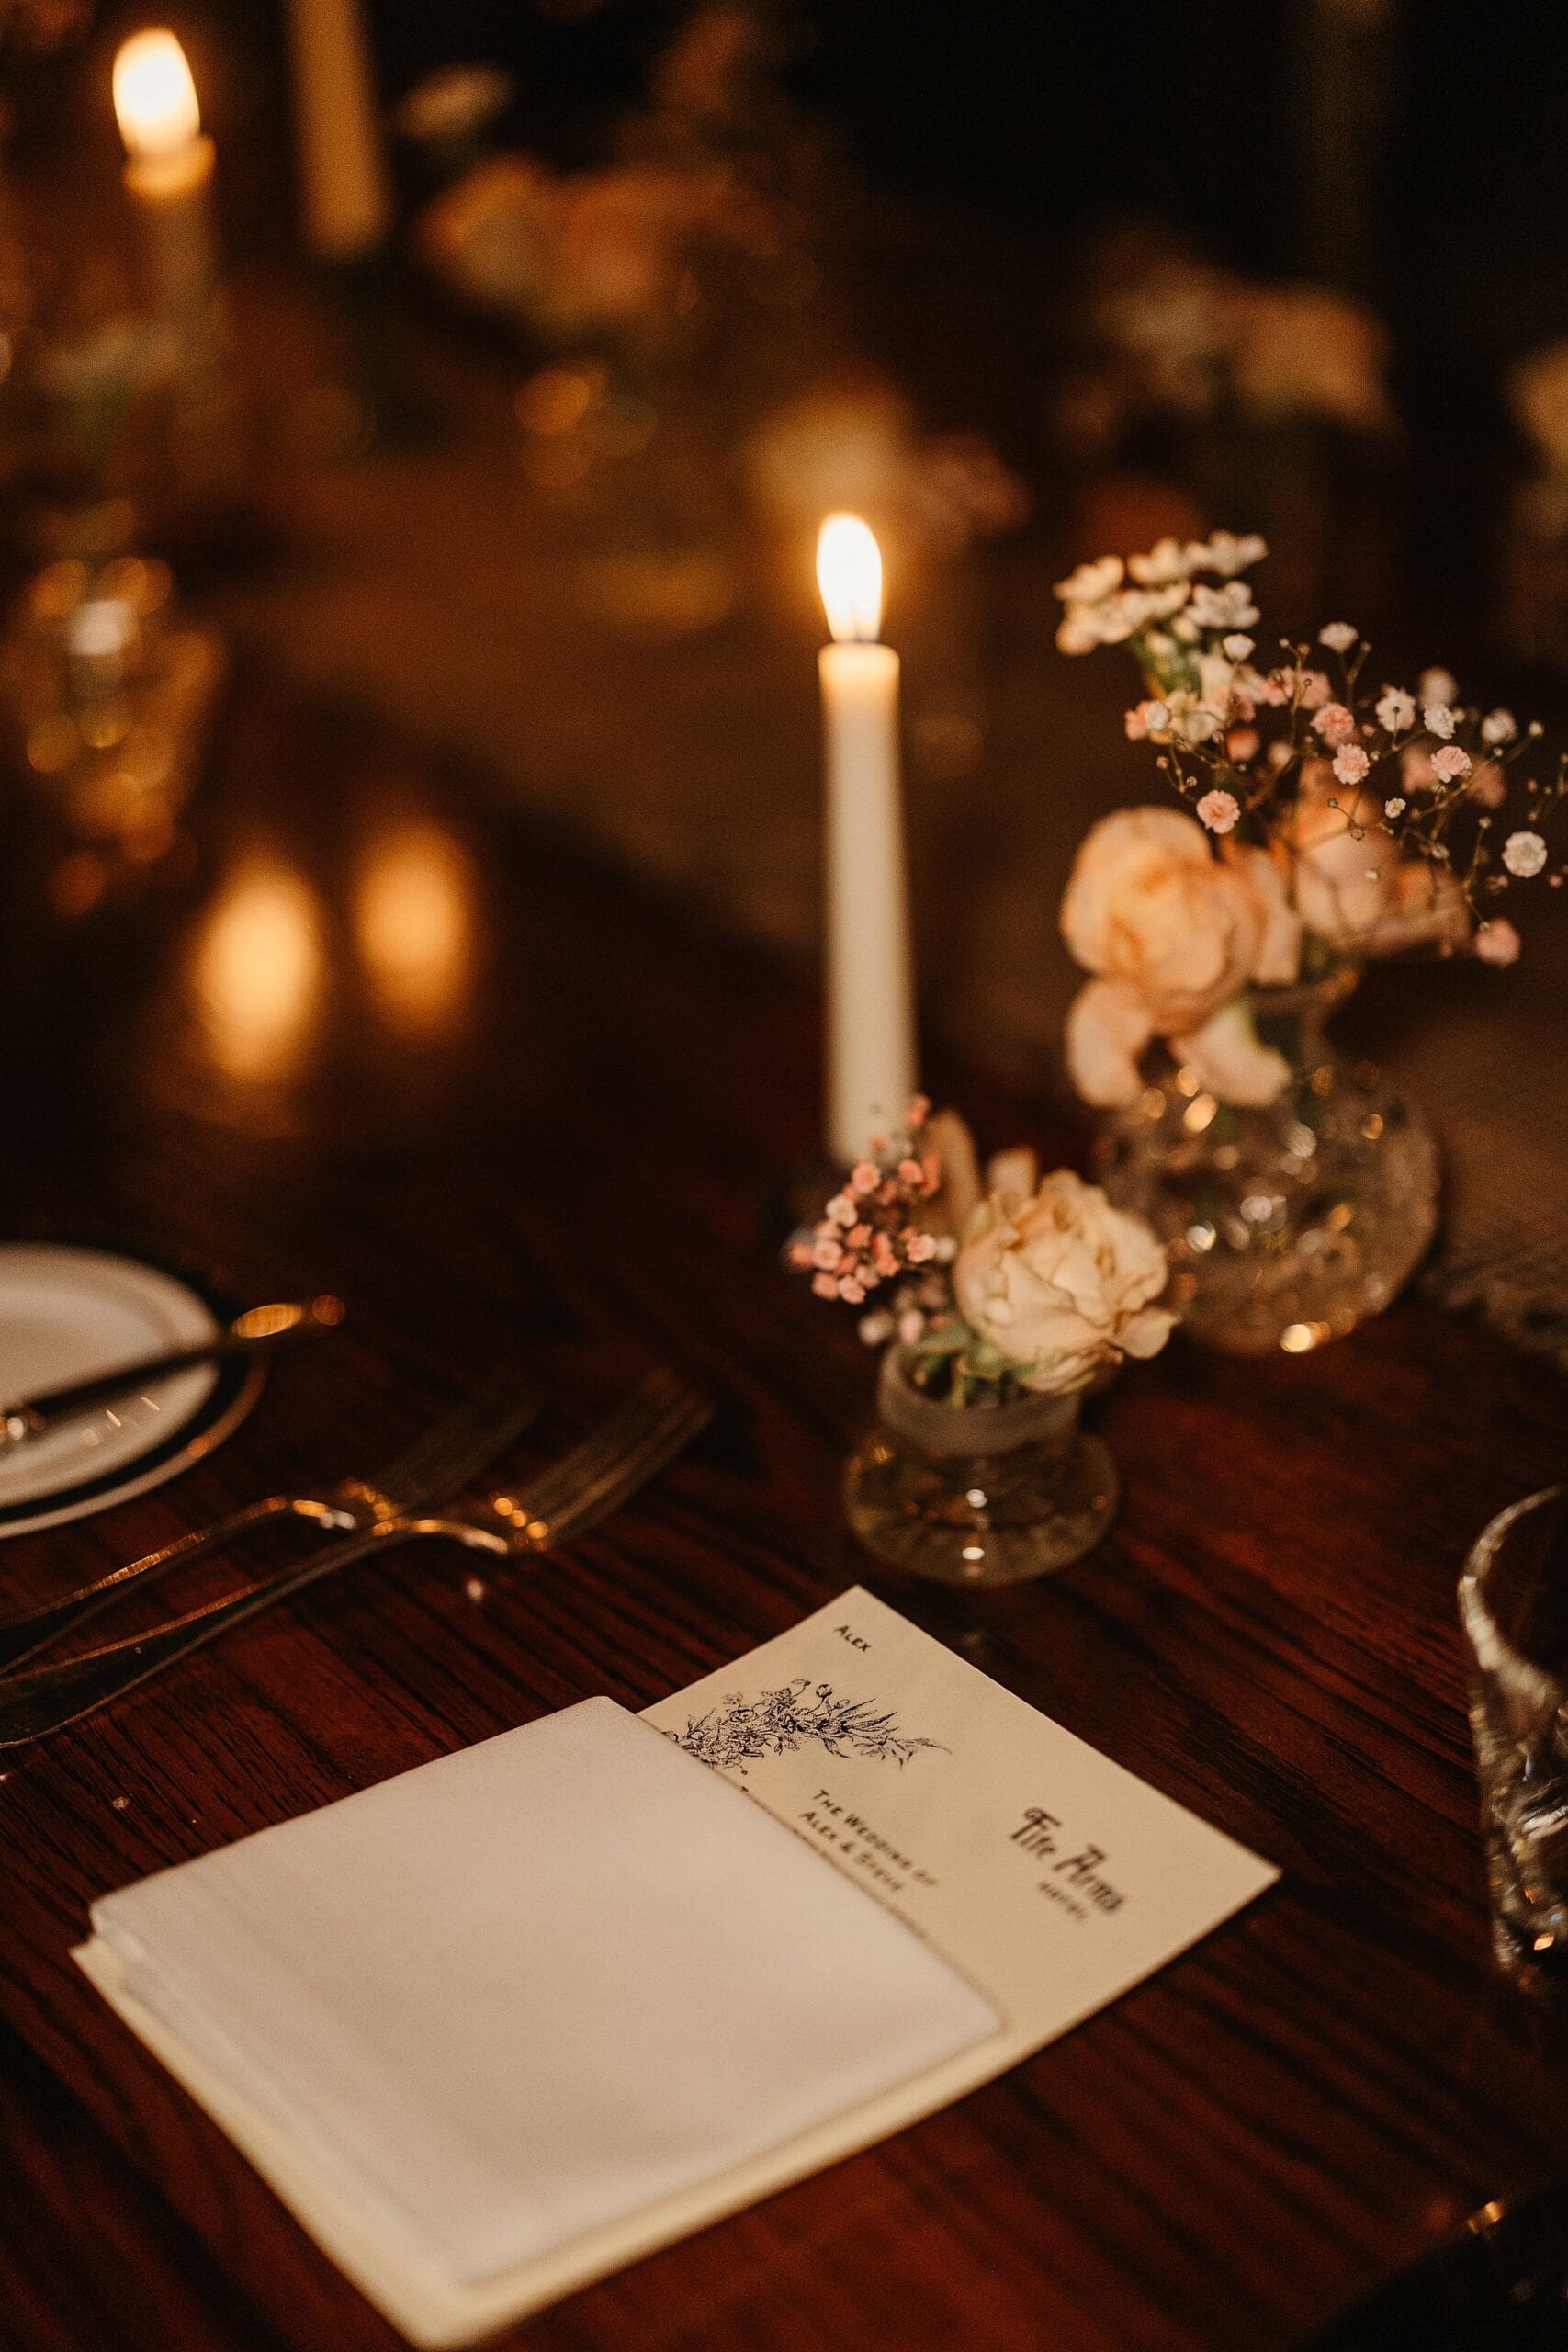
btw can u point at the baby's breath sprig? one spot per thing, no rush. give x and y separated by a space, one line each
1389 806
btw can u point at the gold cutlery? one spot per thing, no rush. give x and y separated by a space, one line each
440 1463
575 1494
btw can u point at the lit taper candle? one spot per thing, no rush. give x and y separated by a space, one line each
869 979
168 170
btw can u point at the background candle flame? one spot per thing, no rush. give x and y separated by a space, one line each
155 97
849 574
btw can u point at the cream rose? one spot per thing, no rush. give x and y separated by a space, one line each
1352 886
1057 1280
1173 936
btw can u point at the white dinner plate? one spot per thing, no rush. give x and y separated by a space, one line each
66 1313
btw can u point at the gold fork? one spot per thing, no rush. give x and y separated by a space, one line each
441 1462
580 1490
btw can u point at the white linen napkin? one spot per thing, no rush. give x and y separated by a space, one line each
527 1990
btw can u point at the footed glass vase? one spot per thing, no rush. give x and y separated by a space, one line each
978 1494
1287 1225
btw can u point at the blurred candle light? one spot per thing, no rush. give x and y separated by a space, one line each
258 973
869 979
168 170
413 923
345 199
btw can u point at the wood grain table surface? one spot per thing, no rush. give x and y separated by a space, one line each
538 1115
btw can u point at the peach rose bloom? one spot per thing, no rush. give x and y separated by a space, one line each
1359 893
1173 936
1058 1281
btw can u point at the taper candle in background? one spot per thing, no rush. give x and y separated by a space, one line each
169 172
344 190
869 979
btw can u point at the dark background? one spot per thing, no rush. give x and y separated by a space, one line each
1411 151
1217 114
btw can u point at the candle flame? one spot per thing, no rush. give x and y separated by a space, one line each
155 97
848 573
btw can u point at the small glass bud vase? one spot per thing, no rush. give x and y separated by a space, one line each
978 1494
1287 1225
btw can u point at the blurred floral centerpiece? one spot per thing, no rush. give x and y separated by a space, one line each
1321 819
999 1303
1265 396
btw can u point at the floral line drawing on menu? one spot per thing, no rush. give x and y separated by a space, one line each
782 1722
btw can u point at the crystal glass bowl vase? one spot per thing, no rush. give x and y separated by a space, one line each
978 1494
1287 1225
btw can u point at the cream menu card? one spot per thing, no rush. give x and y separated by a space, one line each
1037 1879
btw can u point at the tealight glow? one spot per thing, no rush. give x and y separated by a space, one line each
414 921
155 97
258 973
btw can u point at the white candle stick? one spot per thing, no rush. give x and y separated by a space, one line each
870 982
169 172
342 169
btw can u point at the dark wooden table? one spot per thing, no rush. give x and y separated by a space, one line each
552 1133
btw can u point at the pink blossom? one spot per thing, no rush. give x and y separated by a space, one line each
1416 765
864 1177
823 1286
1438 685
1236 645
1396 710
918 1247
826 1254
801 1254
851 1293
910 1172
1395 806
1334 723
1315 689
1450 763
857 1237
911 1323
1497 942
1275 688
1144 719
1350 764
1219 810
1242 743
1437 719
840 1209
1499 727
1338 636
1489 785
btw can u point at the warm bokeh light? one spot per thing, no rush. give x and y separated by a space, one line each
848 573
414 923
258 972
155 97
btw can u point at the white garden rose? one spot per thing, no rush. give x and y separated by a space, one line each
1173 936
1058 1281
